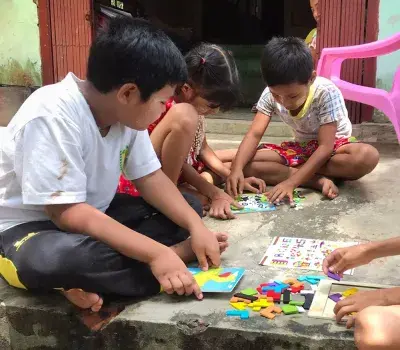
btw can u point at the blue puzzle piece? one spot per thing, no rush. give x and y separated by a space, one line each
312 281
266 289
233 313
315 277
302 278
243 314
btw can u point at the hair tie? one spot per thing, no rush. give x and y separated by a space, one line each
202 60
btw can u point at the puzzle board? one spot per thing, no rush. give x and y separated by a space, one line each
253 203
301 253
322 306
217 280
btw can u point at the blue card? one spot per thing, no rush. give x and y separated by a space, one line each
253 203
217 280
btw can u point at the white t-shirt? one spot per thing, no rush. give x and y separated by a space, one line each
324 105
52 153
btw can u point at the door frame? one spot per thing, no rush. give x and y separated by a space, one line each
45 34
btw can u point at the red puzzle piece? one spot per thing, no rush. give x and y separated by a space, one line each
274 295
226 274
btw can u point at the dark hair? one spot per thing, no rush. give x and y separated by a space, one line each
133 51
285 61
213 73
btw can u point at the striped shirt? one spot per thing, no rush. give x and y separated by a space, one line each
324 105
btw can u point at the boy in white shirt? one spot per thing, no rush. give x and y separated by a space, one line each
315 109
61 156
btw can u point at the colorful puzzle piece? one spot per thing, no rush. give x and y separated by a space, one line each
336 297
244 314
334 276
349 292
249 291
290 309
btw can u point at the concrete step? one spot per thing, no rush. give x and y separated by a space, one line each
368 132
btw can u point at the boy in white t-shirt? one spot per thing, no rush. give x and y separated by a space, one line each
315 109
61 156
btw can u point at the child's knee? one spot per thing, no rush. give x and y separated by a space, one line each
366 159
194 202
370 331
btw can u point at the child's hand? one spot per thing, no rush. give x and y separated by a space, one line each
344 259
235 183
255 185
280 191
359 302
173 274
206 247
221 206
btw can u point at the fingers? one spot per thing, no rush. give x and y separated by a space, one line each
197 291
262 186
166 285
339 264
252 189
228 211
274 194
202 258
190 285
229 188
237 205
329 261
213 253
241 185
350 322
346 310
233 188
177 285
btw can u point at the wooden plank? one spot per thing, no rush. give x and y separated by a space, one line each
46 48
54 39
370 64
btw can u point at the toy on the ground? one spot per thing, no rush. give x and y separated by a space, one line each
300 253
290 293
217 280
253 203
334 276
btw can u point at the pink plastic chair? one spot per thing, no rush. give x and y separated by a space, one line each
329 66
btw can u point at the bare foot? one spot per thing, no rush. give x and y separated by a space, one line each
84 300
185 252
329 189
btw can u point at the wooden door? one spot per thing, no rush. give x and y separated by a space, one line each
66 34
351 22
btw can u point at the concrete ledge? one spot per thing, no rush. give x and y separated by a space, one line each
368 132
11 98
48 322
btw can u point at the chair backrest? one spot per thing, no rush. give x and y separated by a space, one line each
330 65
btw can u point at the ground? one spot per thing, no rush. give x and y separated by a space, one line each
366 210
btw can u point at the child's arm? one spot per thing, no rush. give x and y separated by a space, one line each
159 191
166 266
326 141
247 150
220 201
212 162
344 259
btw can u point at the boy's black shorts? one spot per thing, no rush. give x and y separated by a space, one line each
38 256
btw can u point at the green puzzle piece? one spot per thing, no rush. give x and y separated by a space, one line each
249 291
296 303
289 309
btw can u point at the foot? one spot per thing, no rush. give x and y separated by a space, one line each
329 189
84 300
185 252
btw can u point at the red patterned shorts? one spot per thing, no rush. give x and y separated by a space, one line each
127 186
296 153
